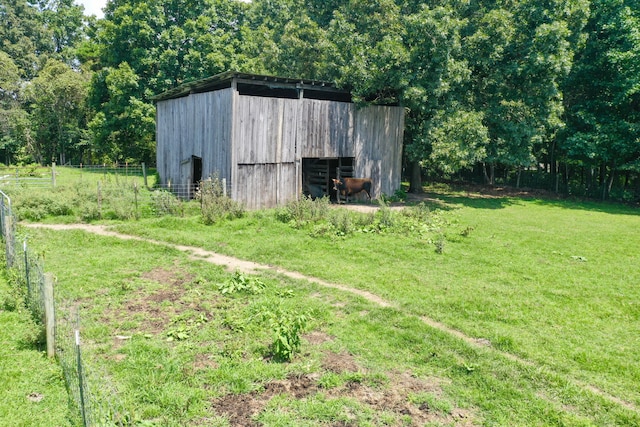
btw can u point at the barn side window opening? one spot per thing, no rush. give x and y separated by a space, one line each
318 173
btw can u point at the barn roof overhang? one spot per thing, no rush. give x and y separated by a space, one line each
260 85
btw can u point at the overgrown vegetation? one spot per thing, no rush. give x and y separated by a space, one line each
114 196
562 114
215 205
546 314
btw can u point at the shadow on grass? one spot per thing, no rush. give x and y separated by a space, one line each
591 205
449 197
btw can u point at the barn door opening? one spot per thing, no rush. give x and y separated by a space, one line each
196 175
318 173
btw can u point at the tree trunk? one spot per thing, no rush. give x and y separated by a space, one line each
489 177
415 184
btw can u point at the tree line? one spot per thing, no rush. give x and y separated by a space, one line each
542 93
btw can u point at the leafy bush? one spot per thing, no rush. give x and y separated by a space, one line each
303 211
240 283
165 203
286 327
36 206
214 204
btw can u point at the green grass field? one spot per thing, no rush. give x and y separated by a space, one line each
499 311
33 390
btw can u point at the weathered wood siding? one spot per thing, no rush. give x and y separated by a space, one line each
265 185
325 129
264 130
196 125
264 151
378 134
258 143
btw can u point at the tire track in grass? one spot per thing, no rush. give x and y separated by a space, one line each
249 267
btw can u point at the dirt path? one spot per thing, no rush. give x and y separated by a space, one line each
235 264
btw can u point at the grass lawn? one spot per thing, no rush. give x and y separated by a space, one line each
543 291
33 389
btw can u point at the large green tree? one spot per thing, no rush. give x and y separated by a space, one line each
14 120
123 128
519 53
603 95
57 105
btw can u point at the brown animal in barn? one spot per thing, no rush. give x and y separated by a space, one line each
352 186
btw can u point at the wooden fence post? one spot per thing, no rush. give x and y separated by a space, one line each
53 174
100 198
9 238
49 315
144 174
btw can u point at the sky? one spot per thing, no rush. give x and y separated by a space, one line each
93 7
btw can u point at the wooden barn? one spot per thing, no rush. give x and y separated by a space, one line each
272 139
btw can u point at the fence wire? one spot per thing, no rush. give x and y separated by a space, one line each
92 400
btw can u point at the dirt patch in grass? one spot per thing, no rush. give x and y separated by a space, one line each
391 397
166 276
339 362
317 337
242 409
154 309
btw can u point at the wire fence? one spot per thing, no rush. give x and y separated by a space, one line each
94 192
92 401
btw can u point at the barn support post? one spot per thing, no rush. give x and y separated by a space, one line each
338 191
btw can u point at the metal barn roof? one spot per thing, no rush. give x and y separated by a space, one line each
260 85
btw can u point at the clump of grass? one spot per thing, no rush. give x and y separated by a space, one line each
215 205
303 211
164 202
37 205
439 243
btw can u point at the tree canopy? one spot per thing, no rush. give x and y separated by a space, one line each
541 92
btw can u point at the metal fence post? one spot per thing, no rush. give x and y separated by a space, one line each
80 379
26 270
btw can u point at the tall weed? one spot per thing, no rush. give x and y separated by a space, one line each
36 205
214 204
164 202
303 211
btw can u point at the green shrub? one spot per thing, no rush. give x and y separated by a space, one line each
240 283
342 222
36 206
305 210
286 327
165 203
214 204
